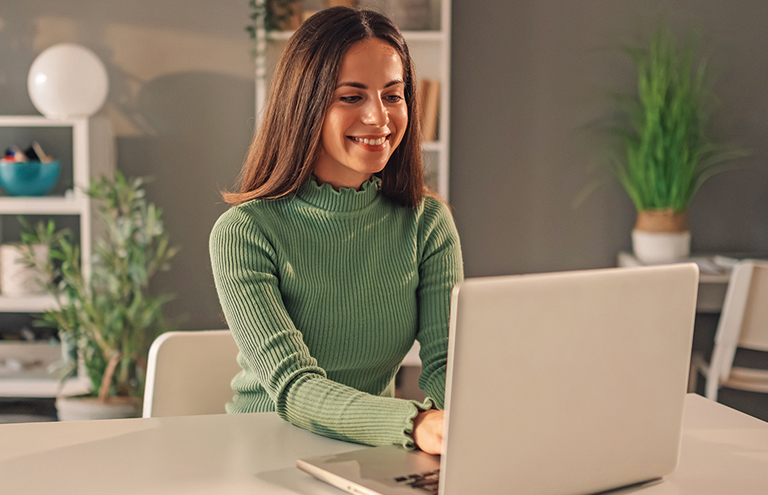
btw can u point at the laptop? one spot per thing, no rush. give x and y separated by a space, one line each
557 384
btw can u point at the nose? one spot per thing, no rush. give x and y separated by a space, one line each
375 113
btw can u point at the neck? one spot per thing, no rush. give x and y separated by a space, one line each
343 182
339 177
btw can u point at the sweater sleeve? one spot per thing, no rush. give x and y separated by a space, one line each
440 269
246 280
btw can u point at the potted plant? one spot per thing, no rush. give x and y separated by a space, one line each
274 15
664 152
109 316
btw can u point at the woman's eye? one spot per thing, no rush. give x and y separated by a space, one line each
393 98
350 99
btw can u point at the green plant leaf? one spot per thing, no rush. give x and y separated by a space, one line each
659 133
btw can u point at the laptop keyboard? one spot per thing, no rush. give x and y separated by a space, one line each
425 482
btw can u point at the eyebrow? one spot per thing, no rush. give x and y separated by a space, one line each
363 86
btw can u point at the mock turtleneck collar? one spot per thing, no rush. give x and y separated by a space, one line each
324 196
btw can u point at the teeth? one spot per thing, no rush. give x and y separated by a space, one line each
374 142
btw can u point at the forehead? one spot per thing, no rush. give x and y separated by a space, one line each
371 60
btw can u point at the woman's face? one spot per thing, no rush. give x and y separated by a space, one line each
367 117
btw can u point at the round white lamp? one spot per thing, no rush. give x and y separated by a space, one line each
66 81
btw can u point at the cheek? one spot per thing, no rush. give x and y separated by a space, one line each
335 127
401 120
331 132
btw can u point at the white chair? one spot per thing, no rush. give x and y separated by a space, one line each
189 373
743 323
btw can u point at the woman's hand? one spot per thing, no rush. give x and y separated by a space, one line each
428 431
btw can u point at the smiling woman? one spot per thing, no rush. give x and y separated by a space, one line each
335 257
287 145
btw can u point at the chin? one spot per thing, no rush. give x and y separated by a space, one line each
372 169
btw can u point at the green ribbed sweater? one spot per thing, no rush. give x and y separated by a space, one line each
324 293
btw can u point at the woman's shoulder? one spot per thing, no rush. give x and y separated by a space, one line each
248 216
434 202
435 209
237 215
433 217
436 229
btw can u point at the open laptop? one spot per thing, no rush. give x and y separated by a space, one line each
558 384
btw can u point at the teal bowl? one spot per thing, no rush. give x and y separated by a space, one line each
29 178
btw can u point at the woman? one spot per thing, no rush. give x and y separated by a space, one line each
333 259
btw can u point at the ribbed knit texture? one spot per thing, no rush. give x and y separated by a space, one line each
325 293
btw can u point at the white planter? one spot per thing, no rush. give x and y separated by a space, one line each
17 279
85 408
661 247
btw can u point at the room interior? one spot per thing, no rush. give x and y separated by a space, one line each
527 80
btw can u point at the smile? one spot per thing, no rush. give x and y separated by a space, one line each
373 142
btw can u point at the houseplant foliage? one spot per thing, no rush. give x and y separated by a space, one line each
111 315
272 15
663 151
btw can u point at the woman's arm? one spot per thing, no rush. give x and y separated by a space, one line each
440 269
244 269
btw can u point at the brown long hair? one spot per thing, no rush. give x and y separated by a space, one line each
287 144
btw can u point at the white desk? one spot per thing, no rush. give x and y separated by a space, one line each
723 452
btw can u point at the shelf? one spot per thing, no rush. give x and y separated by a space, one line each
38 374
432 146
279 35
28 304
36 121
45 205
36 380
424 36
41 386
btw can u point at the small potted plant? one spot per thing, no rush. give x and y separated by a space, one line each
663 149
110 316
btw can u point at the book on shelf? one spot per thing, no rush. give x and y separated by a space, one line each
429 105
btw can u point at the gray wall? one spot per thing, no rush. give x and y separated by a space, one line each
527 79
527 76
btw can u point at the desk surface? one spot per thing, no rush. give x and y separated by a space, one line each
723 451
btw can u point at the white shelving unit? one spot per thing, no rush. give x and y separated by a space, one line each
29 304
431 53
92 155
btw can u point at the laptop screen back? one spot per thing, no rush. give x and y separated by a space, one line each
569 382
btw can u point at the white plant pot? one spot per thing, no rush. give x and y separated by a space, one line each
86 408
661 247
16 278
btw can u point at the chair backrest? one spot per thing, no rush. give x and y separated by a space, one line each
189 373
744 320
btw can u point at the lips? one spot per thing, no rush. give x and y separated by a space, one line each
371 141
